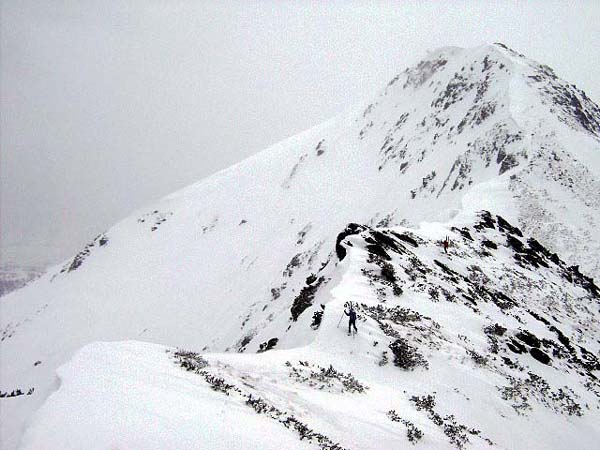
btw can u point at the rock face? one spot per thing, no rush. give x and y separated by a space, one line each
252 254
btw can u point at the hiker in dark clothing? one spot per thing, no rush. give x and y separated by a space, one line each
445 244
352 319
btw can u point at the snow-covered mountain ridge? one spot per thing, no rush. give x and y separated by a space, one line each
223 264
492 345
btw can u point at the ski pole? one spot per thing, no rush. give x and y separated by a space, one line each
340 321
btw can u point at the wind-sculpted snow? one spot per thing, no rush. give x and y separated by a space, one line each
261 257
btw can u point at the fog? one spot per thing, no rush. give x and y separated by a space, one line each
109 105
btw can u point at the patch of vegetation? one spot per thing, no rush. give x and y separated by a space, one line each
416 269
276 292
493 332
384 359
413 433
457 433
386 277
521 391
480 360
294 263
317 318
406 356
434 294
190 361
193 361
396 314
328 379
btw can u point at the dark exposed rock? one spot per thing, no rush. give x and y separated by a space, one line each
489 244
590 361
495 329
539 355
564 340
419 75
514 243
516 346
503 225
305 298
352 228
486 221
244 342
501 300
464 232
447 270
509 362
320 147
376 249
271 343
538 317
385 241
528 338
455 91
506 161
16 393
78 260
406 238
469 298
573 275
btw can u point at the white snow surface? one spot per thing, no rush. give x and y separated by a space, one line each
217 266
134 397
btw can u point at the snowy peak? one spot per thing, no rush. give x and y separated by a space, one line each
463 117
252 260
487 72
571 105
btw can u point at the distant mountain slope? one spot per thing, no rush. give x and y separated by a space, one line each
494 344
13 277
218 265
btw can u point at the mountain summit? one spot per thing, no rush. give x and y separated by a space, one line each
481 145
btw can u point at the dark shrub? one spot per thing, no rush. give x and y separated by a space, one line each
406 356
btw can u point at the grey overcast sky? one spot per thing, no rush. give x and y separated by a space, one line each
108 105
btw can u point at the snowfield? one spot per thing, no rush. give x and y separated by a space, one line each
214 318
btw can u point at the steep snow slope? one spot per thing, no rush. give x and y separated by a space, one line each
218 265
490 345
